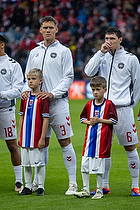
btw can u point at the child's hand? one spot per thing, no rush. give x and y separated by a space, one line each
41 143
94 120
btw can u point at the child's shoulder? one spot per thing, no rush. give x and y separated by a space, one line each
44 101
89 102
110 104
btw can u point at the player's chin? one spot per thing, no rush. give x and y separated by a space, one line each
96 97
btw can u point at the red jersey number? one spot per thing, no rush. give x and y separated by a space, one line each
62 127
8 132
129 138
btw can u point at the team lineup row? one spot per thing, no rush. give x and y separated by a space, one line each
115 75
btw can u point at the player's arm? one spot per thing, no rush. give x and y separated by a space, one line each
93 65
84 116
19 131
16 83
99 120
87 122
41 142
135 76
67 75
139 136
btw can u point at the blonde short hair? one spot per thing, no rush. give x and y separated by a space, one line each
37 72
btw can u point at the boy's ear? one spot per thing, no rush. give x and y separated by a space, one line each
105 89
41 80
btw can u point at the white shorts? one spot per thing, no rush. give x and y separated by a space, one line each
93 165
33 157
125 128
59 119
8 123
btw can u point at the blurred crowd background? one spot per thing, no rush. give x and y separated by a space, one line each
82 24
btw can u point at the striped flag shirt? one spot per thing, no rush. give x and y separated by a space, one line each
98 138
33 111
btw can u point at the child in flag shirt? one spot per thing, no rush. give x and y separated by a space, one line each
33 126
99 115
138 118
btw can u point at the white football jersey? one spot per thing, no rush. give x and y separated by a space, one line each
57 65
122 72
11 80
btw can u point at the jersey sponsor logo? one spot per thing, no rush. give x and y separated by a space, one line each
3 71
121 65
53 55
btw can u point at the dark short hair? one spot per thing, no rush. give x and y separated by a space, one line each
98 81
3 39
47 19
114 30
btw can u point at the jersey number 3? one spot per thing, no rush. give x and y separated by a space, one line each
63 130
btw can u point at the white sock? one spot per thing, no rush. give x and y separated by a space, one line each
46 155
28 176
41 176
106 173
70 162
36 175
46 161
18 173
133 165
85 177
99 179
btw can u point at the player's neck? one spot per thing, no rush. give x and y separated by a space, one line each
2 53
114 50
99 101
48 42
35 91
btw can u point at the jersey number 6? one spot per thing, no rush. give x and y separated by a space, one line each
129 138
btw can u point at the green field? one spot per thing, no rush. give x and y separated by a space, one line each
56 182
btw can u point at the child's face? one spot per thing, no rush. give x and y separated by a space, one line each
33 81
98 92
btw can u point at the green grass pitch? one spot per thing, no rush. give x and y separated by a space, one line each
56 182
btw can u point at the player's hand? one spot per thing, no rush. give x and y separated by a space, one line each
18 142
43 95
41 143
139 145
25 95
105 47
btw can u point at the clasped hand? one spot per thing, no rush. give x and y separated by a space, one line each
94 120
